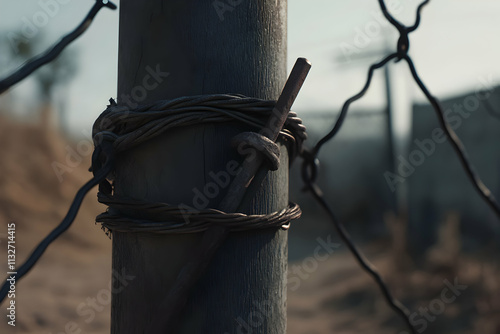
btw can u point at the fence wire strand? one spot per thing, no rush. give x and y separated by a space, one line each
61 228
20 74
51 54
456 143
395 304
310 163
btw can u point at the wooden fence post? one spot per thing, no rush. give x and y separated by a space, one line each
174 48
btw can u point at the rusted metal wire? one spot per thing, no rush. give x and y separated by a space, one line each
28 68
170 309
170 219
126 128
310 163
48 56
133 127
364 263
100 175
456 143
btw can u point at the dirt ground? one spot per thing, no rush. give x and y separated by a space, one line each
451 293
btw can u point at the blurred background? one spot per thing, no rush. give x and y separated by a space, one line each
390 176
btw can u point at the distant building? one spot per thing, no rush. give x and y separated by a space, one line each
438 185
355 163
351 177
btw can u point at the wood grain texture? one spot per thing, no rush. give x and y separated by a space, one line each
244 289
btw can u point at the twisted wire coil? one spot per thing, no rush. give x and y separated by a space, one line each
134 127
126 128
165 218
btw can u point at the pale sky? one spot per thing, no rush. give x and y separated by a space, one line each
454 49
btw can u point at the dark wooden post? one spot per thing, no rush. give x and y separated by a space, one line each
206 47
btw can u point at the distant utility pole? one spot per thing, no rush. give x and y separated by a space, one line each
389 111
169 49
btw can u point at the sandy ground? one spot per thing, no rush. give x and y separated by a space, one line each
332 295
77 265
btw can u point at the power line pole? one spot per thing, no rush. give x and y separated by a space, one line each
400 204
187 47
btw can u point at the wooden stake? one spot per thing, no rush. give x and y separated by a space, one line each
205 48
172 307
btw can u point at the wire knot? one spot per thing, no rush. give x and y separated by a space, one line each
310 166
106 3
403 45
103 157
404 40
251 143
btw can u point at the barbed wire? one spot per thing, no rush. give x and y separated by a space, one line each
51 54
311 162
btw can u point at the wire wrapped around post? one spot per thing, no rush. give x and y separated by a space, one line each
129 128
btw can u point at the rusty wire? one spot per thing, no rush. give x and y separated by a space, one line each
220 113
163 218
103 154
310 163
51 54
127 128
135 126
20 74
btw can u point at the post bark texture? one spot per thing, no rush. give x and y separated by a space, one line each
206 48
